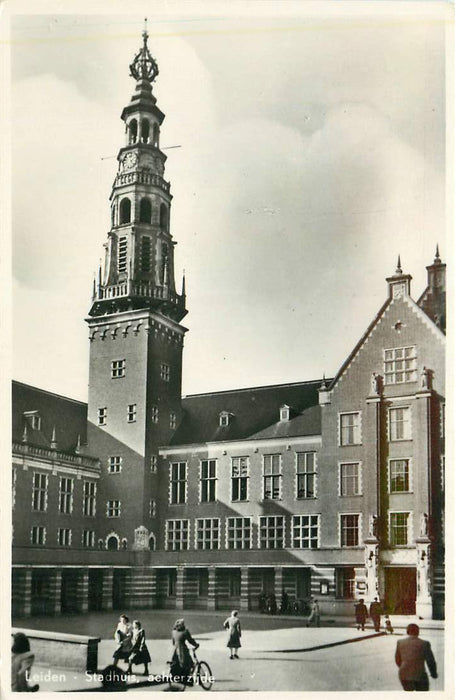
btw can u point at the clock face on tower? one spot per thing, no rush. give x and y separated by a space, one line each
129 161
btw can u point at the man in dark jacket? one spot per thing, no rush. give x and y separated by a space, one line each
410 656
375 614
361 614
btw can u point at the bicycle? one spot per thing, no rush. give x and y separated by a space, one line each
200 675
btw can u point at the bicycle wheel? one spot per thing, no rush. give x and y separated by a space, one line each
204 675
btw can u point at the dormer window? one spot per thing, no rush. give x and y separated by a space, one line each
285 412
34 419
225 418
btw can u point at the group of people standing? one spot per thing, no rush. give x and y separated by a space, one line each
375 612
131 645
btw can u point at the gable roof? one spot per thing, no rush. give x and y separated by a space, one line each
307 423
68 416
253 410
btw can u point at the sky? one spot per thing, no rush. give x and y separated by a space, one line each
312 143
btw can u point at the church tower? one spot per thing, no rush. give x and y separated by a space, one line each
136 339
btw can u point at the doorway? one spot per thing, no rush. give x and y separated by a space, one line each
400 590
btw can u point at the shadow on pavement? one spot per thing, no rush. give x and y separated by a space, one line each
329 644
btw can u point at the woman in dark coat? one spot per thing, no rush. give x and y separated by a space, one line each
181 662
361 614
122 636
139 652
232 624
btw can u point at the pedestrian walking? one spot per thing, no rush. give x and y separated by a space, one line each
232 624
262 601
181 662
21 664
375 614
271 604
139 652
123 636
361 614
388 625
315 614
284 603
411 655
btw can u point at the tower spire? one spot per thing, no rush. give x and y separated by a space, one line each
399 271
437 258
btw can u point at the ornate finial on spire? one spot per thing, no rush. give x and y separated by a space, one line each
183 285
94 287
399 271
99 274
437 259
324 382
144 66
54 439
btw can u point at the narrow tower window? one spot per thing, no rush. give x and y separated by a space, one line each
145 131
132 131
145 211
125 211
163 217
156 135
122 250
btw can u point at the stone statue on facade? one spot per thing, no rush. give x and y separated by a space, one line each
424 525
373 525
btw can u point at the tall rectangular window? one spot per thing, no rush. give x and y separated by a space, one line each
400 365
208 480
38 534
350 479
39 495
239 478
399 475
272 477
271 531
153 463
66 495
118 368
178 482
177 535
152 510
64 536
306 474
172 420
89 498
349 527
154 414
102 416
122 254
113 509
131 413
239 533
114 465
207 533
305 531
399 423
88 538
350 428
398 529
165 371
345 582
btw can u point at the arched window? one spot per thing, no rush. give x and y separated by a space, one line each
145 130
100 544
112 543
124 543
145 211
132 128
163 217
125 211
156 135
152 542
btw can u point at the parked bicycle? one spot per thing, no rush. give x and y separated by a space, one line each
200 675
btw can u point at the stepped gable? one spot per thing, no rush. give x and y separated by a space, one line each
251 410
67 416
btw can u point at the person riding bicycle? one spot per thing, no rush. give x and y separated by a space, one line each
181 662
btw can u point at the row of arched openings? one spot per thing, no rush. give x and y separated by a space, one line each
145 212
143 133
113 543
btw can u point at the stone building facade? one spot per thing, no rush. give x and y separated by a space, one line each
145 498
